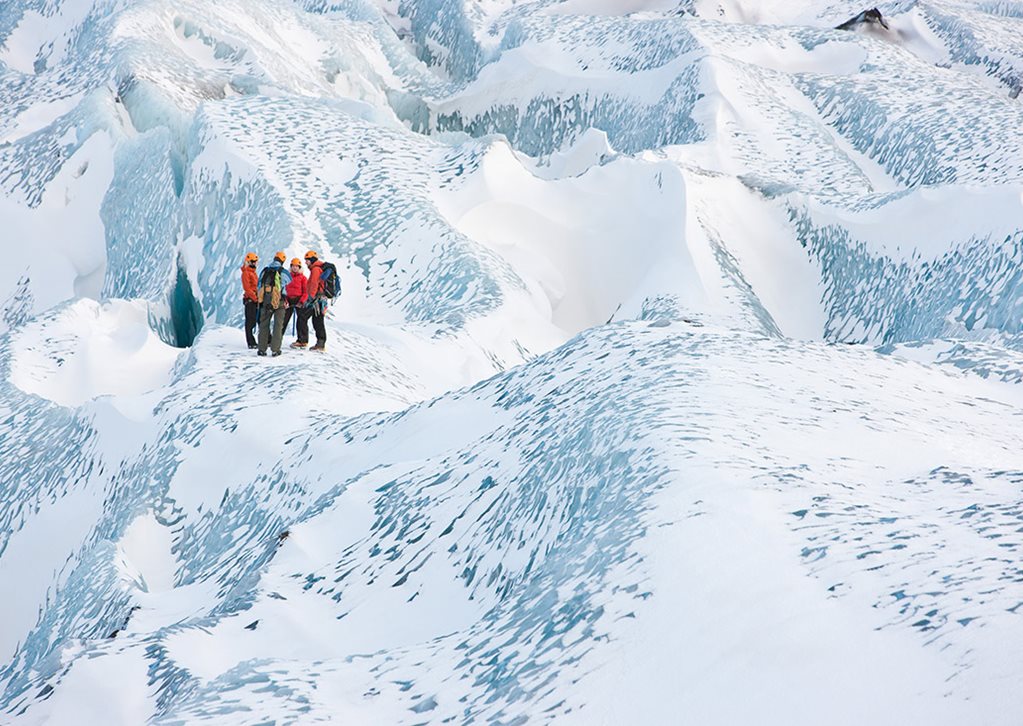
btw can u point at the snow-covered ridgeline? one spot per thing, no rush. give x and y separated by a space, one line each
616 446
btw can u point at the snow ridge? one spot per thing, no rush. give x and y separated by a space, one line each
678 356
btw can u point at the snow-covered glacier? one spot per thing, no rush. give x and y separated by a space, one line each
676 376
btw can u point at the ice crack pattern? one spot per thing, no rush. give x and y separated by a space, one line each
675 376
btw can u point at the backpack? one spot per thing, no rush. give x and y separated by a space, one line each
270 282
329 280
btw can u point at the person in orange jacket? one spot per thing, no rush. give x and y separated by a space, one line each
249 284
316 302
297 297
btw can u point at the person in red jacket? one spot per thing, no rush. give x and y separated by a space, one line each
297 298
316 300
249 285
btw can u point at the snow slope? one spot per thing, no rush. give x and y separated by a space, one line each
676 375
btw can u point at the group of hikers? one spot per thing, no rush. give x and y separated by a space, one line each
277 293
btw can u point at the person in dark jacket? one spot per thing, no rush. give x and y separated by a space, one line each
273 281
249 281
297 297
316 302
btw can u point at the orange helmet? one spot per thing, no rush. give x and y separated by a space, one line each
280 257
310 255
251 257
295 261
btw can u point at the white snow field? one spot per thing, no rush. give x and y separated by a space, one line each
677 376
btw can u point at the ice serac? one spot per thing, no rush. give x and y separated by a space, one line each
555 79
678 357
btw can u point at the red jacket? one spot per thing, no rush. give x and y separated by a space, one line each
296 289
249 283
315 287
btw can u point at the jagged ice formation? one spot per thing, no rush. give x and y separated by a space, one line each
676 376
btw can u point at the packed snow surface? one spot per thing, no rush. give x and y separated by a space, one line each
677 375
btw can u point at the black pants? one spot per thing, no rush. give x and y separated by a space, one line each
301 322
251 319
319 327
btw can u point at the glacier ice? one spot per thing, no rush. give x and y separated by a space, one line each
678 359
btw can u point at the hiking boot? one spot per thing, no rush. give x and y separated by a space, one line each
261 352
253 346
296 344
319 348
276 353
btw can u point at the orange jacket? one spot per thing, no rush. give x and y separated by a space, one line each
249 283
314 288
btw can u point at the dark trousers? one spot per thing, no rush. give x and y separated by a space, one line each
301 322
319 327
251 319
268 316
